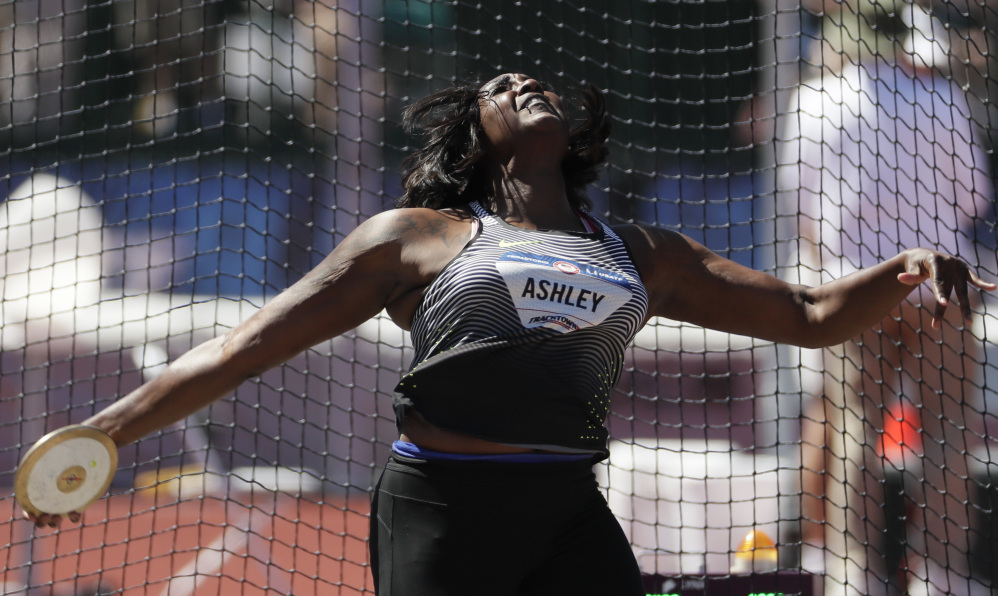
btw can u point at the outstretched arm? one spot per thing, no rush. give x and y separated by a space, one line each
351 285
380 265
687 282
386 258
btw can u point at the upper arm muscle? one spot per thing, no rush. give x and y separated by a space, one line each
687 282
381 260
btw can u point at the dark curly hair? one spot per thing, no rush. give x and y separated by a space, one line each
449 170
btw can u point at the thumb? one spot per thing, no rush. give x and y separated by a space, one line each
914 273
912 279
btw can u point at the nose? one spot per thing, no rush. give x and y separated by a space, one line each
529 86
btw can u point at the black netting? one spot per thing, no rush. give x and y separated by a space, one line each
168 166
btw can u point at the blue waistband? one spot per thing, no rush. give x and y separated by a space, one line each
414 451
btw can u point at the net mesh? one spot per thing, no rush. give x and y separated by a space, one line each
168 166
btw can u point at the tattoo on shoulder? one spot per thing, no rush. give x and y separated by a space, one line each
436 229
432 228
406 223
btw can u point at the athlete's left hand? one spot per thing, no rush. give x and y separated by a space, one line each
948 274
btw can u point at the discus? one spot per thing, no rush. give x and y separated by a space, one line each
66 471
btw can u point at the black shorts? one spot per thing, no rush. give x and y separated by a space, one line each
445 528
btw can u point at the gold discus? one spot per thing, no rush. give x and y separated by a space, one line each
66 471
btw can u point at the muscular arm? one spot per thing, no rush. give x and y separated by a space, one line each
687 282
384 259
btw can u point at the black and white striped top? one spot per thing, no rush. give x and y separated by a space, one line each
521 338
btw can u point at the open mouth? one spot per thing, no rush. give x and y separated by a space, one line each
533 98
537 102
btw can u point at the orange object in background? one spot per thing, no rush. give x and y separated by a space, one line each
902 436
756 552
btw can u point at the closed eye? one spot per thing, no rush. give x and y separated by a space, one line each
503 84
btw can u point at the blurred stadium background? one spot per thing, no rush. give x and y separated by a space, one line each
167 166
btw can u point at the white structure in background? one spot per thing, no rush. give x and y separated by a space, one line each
52 243
686 505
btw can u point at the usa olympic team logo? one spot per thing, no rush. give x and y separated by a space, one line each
566 267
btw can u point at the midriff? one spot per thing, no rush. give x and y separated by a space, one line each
416 430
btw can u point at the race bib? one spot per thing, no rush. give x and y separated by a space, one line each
561 294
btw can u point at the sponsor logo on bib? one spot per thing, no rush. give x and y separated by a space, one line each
508 243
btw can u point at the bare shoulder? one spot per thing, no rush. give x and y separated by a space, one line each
413 244
384 263
673 267
656 250
424 241
416 225
688 282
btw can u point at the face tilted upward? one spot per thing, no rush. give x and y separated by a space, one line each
517 110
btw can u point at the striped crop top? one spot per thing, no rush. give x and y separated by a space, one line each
521 338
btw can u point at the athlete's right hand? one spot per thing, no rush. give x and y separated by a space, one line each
51 521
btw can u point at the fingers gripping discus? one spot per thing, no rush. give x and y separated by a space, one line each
66 471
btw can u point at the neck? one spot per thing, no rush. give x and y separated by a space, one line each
535 199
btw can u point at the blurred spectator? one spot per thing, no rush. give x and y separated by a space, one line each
269 65
797 39
857 32
963 35
875 157
293 61
42 46
788 33
173 45
329 29
958 37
